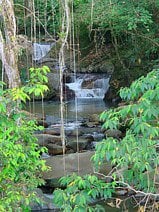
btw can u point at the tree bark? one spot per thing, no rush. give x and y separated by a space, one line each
8 44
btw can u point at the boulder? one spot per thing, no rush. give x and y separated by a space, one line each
94 118
90 124
46 202
44 139
52 131
74 132
82 144
54 149
87 84
68 93
56 164
53 85
79 163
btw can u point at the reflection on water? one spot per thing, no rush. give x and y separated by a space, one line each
80 108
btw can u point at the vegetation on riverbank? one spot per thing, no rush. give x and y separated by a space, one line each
134 157
126 34
20 163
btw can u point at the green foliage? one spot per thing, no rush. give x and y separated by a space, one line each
81 191
136 153
35 86
20 163
135 157
47 16
130 26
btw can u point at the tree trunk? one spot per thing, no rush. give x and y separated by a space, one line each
8 44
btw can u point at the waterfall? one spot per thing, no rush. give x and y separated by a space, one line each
40 50
90 86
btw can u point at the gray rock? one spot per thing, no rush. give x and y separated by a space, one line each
54 149
82 144
94 118
44 139
46 202
74 163
52 131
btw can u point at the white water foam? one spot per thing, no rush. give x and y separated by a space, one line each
40 50
99 87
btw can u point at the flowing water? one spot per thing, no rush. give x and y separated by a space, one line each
40 50
89 90
89 86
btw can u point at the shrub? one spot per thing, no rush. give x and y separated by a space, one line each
20 163
137 151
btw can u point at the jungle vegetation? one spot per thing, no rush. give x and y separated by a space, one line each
126 32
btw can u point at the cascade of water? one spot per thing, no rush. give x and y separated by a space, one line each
40 50
90 86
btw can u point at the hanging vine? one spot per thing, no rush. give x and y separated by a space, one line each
63 36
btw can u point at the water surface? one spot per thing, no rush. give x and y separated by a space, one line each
74 110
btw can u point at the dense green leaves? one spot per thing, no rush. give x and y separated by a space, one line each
46 16
136 152
80 191
20 163
134 157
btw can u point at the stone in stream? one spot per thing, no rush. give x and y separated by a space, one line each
94 118
44 139
79 163
45 203
90 124
52 131
54 149
83 144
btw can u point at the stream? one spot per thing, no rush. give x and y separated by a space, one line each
82 109
89 90
76 112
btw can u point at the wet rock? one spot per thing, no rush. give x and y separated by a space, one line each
74 132
54 149
91 124
52 131
53 85
110 94
42 123
74 163
46 203
87 84
69 151
113 133
82 144
44 139
94 118
71 165
89 137
68 93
